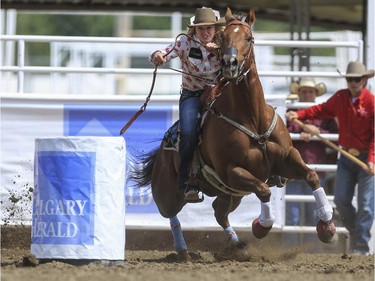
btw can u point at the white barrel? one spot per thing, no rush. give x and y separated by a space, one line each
79 198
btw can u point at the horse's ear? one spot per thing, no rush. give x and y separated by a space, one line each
251 17
229 16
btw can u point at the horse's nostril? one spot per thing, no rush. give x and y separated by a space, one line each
229 61
233 61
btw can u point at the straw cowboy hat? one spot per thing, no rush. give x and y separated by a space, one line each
357 69
206 16
320 88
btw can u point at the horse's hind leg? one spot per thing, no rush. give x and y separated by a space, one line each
179 241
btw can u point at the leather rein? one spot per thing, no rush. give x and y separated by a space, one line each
143 107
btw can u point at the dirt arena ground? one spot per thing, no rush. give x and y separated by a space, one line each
267 262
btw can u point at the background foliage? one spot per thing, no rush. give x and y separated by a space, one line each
105 25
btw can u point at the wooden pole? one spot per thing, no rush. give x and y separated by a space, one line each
334 146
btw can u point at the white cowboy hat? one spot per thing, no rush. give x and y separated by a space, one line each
357 69
320 88
206 16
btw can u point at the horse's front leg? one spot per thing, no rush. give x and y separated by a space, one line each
234 248
325 227
223 206
244 180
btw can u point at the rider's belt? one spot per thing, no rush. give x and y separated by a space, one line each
185 94
355 152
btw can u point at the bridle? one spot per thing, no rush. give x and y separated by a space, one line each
250 39
261 139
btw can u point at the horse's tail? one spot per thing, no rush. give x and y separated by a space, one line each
141 169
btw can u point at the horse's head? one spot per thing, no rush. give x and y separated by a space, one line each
236 45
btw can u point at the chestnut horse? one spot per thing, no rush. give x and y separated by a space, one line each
243 140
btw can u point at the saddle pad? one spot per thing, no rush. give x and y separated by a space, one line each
172 137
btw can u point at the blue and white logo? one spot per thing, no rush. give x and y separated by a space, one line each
63 209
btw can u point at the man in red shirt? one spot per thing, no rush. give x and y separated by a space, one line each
354 109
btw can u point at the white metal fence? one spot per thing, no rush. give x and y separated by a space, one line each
20 68
132 46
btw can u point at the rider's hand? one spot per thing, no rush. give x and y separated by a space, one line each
290 115
211 47
158 58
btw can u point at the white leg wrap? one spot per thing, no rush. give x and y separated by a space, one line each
266 218
324 209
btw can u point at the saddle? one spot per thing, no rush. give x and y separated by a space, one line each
171 141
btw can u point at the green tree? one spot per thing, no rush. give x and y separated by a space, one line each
66 25
60 25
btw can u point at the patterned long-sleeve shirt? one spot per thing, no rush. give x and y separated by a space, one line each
355 118
195 59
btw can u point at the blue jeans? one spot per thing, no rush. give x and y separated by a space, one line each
189 112
300 213
357 221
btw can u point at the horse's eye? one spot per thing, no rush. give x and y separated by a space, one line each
250 39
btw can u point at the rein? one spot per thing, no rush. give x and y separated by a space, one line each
143 107
184 72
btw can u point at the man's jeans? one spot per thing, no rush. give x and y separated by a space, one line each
359 221
189 112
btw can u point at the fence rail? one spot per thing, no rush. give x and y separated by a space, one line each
21 68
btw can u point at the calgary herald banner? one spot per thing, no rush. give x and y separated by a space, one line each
79 198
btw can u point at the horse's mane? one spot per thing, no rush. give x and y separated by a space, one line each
241 16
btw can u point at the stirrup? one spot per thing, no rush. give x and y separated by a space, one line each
193 195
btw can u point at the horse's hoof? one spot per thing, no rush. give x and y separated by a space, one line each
183 256
260 231
237 252
326 231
